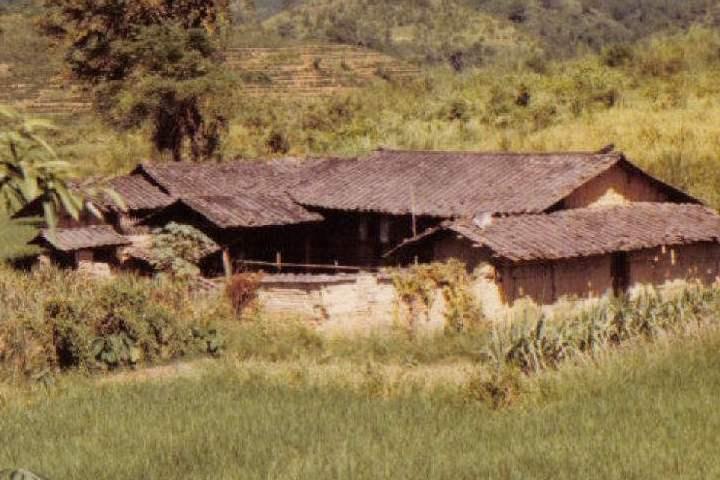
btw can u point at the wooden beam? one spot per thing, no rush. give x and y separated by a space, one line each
336 266
227 262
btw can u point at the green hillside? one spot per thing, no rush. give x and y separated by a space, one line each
486 30
428 32
570 24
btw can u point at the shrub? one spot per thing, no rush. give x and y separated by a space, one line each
256 78
499 390
242 290
381 72
178 249
458 110
71 334
417 287
277 142
616 55
71 323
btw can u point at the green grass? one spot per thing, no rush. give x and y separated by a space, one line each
647 413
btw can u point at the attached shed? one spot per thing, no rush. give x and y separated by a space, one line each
581 252
93 248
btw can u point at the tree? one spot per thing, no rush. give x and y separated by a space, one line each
30 169
155 62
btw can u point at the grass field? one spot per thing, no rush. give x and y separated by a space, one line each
647 412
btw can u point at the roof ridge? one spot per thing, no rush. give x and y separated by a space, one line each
581 210
507 153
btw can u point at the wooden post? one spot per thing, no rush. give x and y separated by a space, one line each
227 263
278 261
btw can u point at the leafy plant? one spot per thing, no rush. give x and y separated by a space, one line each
19 475
67 323
179 248
30 168
417 287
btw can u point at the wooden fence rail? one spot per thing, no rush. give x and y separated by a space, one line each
279 265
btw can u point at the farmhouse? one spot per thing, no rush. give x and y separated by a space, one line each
538 225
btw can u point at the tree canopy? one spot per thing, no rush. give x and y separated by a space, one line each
155 62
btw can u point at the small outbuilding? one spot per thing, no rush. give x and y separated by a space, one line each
92 248
579 253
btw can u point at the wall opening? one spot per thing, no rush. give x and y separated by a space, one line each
620 272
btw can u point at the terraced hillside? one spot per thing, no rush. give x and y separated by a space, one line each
38 95
305 70
313 70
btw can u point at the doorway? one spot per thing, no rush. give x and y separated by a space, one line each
620 272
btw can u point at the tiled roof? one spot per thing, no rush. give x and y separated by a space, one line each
588 231
232 194
72 239
439 184
249 210
213 179
452 184
138 193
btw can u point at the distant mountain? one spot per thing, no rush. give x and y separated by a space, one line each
426 31
568 24
478 30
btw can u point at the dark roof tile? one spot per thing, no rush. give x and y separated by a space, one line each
72 239
587 231
138 193
595 231
250 210
452 184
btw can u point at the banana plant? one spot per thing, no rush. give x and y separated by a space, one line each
30 169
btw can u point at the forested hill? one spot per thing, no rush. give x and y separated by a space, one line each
434 29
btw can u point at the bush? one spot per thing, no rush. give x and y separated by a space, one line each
616 55
242 289
277 142
177 249
418 286
68 322
500 390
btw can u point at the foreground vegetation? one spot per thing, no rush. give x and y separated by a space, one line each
624 390
648 412
52 321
